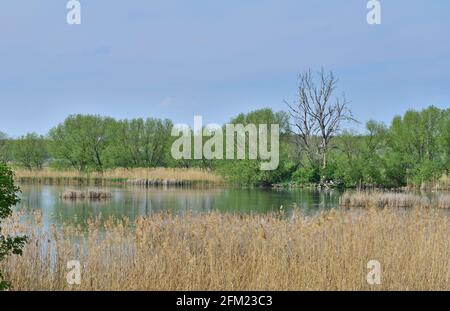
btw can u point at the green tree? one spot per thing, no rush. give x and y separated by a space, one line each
248 172
140 143
420 138
3 139
81 141
348 157
30 151
8 198
3 146
444 140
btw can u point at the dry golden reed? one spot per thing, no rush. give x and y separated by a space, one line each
177 174
329 251
391 199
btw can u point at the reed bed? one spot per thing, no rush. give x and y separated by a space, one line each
392 199
169 176
91 195
442 183
213 251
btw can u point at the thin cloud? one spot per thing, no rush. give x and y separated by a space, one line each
167 102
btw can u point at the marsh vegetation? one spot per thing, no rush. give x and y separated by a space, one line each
212 224
118 176
394 200
318 146
163 251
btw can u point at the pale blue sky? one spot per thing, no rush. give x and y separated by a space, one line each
176 58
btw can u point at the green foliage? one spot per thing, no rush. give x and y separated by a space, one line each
29 151
89 143
421 140
426 170
3 147
140 143
414 149
306 174
80 142
248 172
8 198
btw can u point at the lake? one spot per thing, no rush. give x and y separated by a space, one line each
134 201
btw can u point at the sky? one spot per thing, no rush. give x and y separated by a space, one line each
179 58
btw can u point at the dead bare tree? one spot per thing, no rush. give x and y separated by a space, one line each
317 114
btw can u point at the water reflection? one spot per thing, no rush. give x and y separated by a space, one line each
133 201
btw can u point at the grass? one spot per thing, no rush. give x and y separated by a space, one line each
391 199
118 175
329 251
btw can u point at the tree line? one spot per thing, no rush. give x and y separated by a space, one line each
316 144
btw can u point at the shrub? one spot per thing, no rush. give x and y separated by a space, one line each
306 174
8 198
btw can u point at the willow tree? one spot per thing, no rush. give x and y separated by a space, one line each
30 151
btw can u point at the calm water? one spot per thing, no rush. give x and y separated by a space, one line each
134 201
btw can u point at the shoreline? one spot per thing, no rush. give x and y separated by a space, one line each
189 177
158 177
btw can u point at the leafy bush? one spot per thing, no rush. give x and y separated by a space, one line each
8 198
306 174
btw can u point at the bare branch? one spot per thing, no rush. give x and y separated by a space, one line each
316 116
